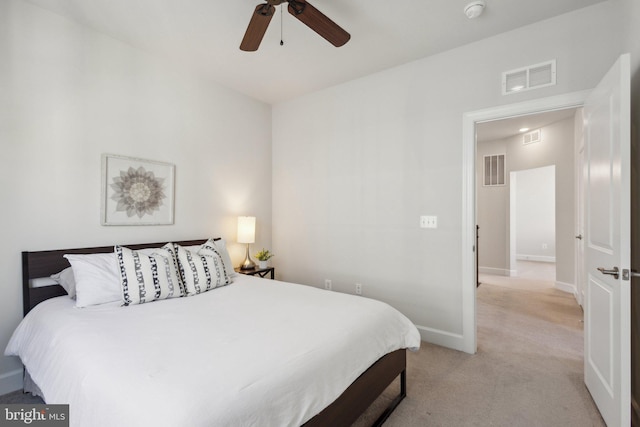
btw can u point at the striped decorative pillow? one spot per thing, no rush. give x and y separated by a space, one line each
146 278
219 247
201 271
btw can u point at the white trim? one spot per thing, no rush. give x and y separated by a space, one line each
469 120
441 338
11 381
496 271
469 221
566 287
537 258
513 220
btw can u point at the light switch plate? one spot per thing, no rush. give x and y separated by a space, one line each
428 221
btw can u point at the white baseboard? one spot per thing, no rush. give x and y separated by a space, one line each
566 287
11 381
496 271
538 258
442 338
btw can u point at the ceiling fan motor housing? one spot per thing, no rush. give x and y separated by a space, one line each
296 6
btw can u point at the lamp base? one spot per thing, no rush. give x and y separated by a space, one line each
248 263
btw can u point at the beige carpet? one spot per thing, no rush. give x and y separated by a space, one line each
528 370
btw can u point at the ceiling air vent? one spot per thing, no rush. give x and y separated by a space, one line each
527 78
531 137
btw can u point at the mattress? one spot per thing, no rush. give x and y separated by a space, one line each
257 352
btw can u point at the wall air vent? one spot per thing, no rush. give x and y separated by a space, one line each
531 137
494 170
527 78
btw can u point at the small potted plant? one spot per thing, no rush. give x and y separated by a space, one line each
263 258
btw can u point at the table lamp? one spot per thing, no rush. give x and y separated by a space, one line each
247 234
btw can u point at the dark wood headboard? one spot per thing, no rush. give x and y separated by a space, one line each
45 263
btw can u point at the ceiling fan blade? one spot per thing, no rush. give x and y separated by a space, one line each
318 22
257 27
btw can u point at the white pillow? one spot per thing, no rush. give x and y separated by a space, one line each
220 246
97 278
146 278
66 279
201 271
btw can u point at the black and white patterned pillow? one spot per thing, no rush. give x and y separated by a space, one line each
146 278
219 248
201 271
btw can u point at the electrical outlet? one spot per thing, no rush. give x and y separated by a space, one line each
358 288
327 284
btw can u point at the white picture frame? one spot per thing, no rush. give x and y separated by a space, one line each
137 191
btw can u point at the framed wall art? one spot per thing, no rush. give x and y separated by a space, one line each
136 191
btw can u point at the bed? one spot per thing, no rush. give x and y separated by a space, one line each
255 352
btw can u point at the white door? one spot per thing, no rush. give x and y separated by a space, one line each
607 232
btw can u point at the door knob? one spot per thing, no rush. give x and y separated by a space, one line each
613 272
579 236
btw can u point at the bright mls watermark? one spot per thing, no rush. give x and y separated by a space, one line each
34 415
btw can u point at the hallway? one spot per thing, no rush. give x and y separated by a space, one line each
529 322
528 370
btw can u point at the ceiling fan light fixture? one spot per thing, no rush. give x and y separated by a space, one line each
474 9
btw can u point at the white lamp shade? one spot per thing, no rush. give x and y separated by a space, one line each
246 229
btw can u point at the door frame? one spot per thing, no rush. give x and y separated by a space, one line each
469 220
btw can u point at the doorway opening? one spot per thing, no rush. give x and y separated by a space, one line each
472 175
606 124
532 204
527 228
518 218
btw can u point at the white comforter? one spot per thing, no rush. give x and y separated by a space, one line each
254 353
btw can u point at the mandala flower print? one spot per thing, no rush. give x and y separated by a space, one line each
138 192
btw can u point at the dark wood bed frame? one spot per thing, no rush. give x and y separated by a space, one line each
344 411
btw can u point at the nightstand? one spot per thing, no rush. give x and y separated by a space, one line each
262 272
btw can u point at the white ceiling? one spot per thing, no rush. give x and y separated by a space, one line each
205 34
499 129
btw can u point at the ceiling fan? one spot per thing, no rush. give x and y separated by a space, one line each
305 12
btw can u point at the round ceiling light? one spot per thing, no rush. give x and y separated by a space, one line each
474 9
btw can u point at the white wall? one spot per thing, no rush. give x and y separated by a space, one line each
69 94
556 148
354 166
492 213
536 213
